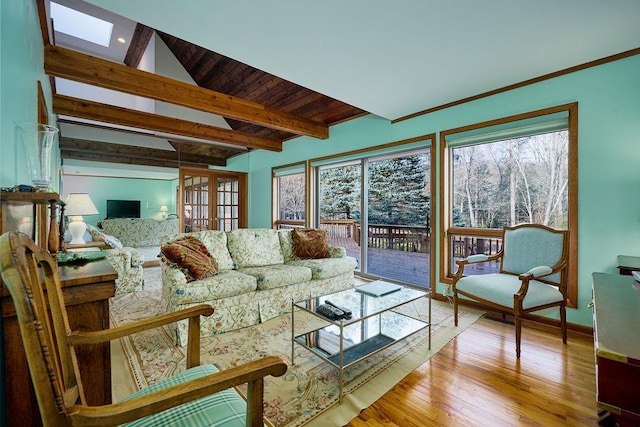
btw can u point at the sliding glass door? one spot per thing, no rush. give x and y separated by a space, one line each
398 215
340 203
392 240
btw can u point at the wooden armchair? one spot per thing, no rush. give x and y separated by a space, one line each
199 396
533 275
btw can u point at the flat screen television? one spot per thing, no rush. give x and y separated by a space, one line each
123 208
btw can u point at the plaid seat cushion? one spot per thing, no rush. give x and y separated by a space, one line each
226 408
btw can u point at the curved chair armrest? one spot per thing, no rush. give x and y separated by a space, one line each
251 373
120 259
473 259
98 337
476 258
535 272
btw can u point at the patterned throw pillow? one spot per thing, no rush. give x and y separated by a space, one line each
310 243
192 257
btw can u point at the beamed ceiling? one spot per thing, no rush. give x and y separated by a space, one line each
217 72
262 83
261 110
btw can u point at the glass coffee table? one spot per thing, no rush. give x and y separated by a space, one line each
376 323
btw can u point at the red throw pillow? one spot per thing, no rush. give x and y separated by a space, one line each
192 257
310 243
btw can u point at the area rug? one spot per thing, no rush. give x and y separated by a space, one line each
308 393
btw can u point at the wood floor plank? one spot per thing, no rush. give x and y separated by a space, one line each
476 380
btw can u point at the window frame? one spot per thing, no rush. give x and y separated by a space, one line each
447 230
275 195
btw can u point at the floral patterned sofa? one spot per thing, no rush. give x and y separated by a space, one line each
126 261
258 274
143 234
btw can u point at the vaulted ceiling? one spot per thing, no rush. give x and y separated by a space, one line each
263 110
217 72
335 61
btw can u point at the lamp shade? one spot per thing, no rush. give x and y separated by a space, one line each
78 204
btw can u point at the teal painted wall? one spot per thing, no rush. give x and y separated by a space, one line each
609 145
609 157
21 66
151 193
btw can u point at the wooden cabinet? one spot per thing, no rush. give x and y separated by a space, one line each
616 314
86 290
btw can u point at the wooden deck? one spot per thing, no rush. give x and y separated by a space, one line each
409 267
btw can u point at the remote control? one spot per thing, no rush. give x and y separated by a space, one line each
345 310
329 312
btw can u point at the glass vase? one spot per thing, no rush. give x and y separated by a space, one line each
38 140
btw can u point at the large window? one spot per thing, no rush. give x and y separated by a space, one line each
521 169
374 202
377 205
289 196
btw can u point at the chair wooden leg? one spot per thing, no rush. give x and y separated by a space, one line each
518 323
563 323
455 308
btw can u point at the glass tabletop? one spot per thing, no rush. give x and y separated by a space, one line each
363 305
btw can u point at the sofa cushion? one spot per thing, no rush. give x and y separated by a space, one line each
310 243
254 247
227 283
215 242
325 268
278 275
192 257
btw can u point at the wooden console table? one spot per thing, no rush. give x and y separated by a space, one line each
616 316
86 290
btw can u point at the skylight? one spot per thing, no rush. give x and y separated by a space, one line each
81 25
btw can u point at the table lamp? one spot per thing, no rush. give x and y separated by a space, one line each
77 205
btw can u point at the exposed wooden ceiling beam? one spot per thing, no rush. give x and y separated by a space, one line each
88 69
138 45
80 149
90 110
216 150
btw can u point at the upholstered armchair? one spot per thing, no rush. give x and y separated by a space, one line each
533 275
128 263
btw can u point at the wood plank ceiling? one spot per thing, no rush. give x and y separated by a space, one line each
217 72
273 99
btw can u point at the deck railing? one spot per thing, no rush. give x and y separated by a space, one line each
463 246
382 236
399 238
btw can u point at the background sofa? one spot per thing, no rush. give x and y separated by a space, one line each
258 277
143 234
126 261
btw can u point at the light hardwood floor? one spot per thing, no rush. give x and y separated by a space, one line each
476 380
